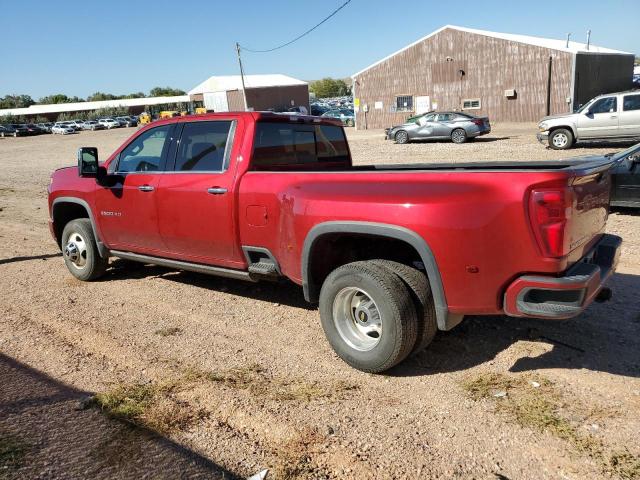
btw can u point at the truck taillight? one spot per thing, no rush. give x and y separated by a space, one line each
550 212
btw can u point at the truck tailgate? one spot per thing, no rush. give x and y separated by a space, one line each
590 207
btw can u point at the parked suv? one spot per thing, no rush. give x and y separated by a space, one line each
614 116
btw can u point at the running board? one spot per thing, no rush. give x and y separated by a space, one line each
179 265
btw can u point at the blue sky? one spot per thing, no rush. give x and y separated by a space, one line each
116 46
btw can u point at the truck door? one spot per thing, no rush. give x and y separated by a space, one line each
630 115
127 210
600 120
195 195
626 182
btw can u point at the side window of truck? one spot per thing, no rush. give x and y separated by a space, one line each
145 152
284 146
203 146
631 102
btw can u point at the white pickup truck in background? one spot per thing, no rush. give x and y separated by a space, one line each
614 116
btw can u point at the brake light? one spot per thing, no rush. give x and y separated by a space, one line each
478 121
550 212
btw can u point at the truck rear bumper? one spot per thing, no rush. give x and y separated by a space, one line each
566 296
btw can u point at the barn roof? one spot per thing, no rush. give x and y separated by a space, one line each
223 83
553 44
82 106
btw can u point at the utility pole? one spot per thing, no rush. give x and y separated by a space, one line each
244 92
588 39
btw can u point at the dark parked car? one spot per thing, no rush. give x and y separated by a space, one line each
19 130
34 129
626 179
318 110
346 116
457 126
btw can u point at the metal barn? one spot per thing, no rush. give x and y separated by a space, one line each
512 78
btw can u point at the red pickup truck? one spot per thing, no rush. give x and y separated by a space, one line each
391 253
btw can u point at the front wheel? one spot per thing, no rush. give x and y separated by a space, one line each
402 137
81 252
368 316
561 139
349 123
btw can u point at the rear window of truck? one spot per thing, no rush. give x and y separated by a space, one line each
285 146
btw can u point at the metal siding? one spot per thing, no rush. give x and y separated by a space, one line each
278 98
598 73
491 66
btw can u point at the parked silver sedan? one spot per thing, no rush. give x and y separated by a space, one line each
456 126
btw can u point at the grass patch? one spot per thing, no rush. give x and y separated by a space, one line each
293 457
168 331
259 382
12 454
150 405
541 409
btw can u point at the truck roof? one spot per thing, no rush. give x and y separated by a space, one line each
256 117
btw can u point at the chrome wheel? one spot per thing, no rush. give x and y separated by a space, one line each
402 137
357 319
458 136
560 140
76 250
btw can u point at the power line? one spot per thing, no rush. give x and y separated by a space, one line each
299 36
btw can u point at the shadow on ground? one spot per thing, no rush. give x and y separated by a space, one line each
605 338
470 140
281 291
32 257
43 434
615 145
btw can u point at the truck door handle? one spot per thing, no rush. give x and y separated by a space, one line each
216 190
145 188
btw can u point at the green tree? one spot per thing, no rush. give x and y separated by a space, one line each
330 87
59 98
165 92
16 101
99 96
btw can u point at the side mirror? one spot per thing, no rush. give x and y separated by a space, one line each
88 162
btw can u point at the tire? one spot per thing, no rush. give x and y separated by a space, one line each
561 139
420 290
80 251
368 316
402 137
349 123
459 136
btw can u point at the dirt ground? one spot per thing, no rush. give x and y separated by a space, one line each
241 374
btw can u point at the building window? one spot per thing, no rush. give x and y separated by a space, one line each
471 104
404 103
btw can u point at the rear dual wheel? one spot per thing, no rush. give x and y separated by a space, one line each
373 313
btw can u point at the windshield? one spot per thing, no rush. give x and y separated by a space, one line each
625 153
585 106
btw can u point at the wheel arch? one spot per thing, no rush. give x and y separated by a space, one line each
312 284
571 128
65 209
